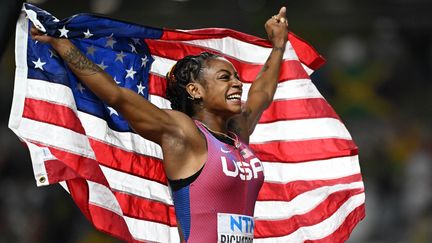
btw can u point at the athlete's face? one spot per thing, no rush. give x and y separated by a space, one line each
222 87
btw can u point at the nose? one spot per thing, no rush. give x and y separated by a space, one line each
238 83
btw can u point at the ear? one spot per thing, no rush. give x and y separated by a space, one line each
195 90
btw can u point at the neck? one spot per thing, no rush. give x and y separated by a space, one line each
212 121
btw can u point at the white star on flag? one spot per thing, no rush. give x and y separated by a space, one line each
90 50
87 34
140 89
102 65
112 111
63 32
39 64
136 41
119 56
133 49
130 73
110 42
80 88
144 61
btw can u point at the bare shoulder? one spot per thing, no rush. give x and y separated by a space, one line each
186 127
185 153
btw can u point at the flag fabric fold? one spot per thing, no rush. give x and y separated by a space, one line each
313 189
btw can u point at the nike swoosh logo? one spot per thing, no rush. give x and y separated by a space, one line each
225 151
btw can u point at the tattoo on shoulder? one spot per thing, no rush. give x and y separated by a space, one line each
80 62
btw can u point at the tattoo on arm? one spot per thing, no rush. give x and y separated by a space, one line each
75 59
279 48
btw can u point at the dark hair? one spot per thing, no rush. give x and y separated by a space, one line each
185 71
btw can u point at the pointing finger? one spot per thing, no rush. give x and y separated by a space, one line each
282 12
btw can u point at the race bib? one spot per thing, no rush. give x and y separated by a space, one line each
233 228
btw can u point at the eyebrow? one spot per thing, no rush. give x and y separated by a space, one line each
228 71
223 70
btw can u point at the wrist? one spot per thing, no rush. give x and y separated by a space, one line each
59 43
279 46
279 43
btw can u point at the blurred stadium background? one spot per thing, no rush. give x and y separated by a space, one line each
378 79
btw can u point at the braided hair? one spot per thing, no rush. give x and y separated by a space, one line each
185 71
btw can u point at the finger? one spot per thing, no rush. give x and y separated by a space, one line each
35 31
282 13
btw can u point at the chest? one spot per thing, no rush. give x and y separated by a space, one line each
233 170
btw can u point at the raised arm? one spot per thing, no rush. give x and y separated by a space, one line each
146 119
263 88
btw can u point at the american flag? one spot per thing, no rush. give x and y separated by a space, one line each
313 189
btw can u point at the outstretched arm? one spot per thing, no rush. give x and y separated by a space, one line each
145 118
263 88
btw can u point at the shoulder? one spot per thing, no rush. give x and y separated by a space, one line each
185 128
182 120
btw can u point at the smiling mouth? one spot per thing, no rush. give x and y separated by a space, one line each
234 97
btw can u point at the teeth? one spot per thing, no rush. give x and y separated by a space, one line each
234 96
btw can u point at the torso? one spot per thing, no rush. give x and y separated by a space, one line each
228 185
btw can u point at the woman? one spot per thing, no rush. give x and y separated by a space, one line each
213 175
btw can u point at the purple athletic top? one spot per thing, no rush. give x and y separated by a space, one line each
219 204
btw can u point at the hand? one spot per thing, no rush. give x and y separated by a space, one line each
277 29
42 37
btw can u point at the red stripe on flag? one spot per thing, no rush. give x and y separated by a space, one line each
286 192
157 85
281 110
132 163
308 150
278 228
110 223
50 113
145 209
290 69
211 33
84 167
305 52
343 232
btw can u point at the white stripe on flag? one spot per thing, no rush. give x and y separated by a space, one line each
52 92
98 129
295 130
161 65
57 137
103 197
312 170
145 231
303 203
135 185
241 50
290 90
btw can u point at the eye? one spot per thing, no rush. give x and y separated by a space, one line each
225 76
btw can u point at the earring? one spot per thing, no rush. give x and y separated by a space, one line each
191 97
